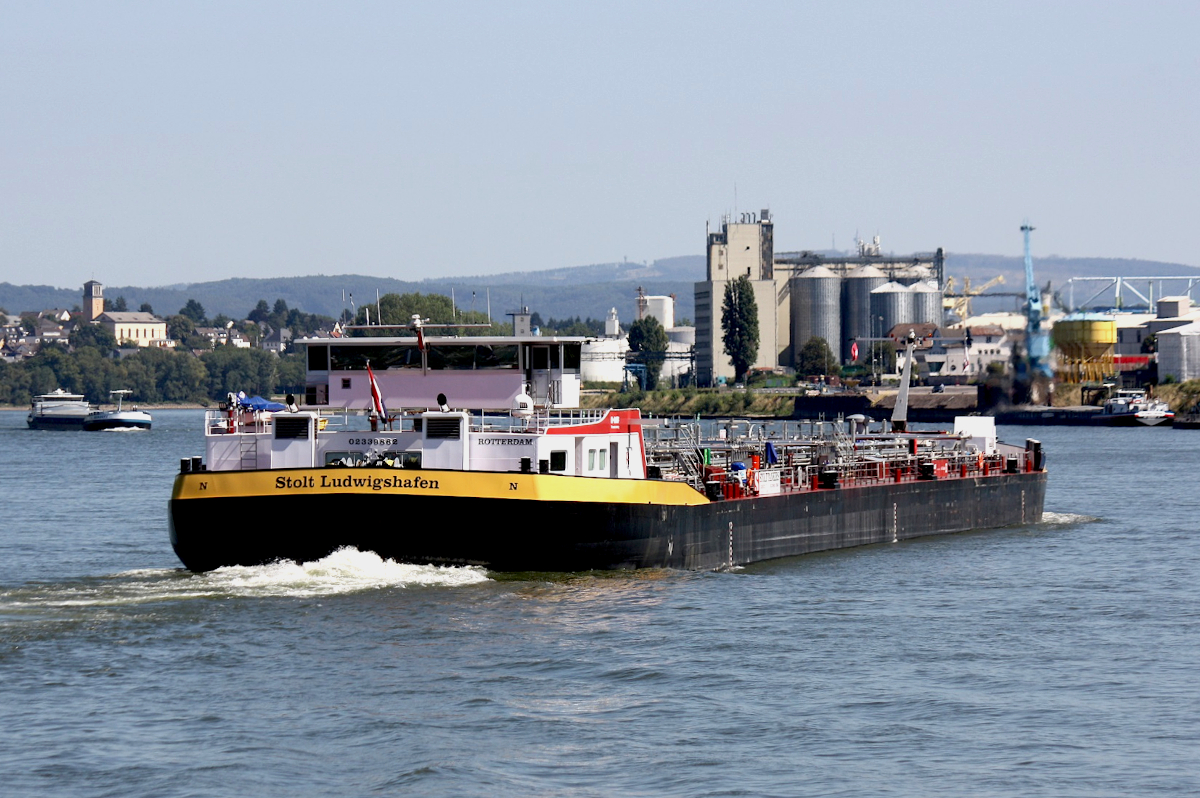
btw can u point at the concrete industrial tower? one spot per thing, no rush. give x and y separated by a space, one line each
745 247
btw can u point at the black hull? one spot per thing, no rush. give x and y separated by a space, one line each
97 426
540 535
56 423
1130 420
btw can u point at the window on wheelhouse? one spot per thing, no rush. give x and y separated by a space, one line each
572 356
394 356
318 358
459 356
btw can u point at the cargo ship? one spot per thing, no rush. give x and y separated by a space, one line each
1134 408
58 410
473 452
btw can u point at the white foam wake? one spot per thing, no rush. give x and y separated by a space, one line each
1063 519
345 571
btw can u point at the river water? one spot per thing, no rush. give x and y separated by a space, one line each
1053 659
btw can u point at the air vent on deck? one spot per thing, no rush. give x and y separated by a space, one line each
447 428
291 428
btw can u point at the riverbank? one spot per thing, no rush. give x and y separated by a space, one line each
782 403
693 402
777 403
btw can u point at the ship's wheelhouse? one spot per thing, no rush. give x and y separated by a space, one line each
479 373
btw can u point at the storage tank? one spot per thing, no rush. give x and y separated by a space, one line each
926 303
682 335
660 307
857 286
1086 344
817 309
891 302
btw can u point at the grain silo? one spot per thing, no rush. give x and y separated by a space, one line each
911 275
926 303
817 309
856 306
891 304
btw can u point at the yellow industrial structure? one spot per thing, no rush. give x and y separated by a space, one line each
960 304
1086 344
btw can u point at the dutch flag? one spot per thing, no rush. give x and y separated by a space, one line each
376 395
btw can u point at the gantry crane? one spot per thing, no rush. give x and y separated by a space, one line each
960 304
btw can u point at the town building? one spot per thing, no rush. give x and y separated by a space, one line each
137 327
1179 353
221 336
143 329
93 300
277 340
952 357
48 330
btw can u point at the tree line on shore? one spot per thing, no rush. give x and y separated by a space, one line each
196 372
154 375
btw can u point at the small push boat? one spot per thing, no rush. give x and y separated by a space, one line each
117 419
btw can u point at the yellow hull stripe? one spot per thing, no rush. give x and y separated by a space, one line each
461 484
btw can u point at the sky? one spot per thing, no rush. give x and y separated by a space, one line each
152 143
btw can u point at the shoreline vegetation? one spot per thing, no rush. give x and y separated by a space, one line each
156 377
694 401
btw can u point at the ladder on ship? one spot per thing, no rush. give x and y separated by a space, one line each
247 452
843 440
687 455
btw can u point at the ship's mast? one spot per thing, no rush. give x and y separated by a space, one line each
900 412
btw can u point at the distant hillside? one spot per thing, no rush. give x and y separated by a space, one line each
559 293
686 268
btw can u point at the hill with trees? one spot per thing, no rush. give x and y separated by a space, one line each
583 291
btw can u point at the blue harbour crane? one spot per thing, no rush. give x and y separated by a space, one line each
1037 341
1032 380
